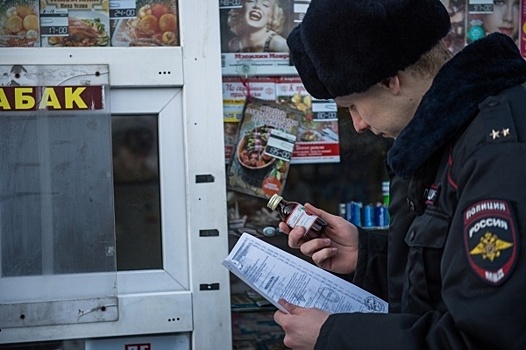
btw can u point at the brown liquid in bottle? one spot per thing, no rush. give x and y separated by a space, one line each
294 214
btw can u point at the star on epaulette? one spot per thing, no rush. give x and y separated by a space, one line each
495 134
506 132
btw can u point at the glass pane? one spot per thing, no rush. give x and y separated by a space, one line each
136 186
357 177
56 213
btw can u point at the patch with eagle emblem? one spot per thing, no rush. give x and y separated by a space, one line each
490 239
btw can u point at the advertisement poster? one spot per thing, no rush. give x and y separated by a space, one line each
456 39
263 150
144 23
19 23
235 92
318 140
488 16
255 35
522 40
70 23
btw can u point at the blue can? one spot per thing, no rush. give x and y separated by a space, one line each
368 216
381 215
354 213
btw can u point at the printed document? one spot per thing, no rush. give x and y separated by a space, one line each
276 274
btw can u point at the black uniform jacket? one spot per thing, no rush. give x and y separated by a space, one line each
453 266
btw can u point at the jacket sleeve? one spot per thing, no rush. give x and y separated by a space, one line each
371 268
384 331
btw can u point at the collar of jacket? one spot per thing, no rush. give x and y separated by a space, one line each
482 69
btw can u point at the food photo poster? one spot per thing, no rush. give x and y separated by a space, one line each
265 142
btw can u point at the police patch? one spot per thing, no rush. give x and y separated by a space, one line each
490 239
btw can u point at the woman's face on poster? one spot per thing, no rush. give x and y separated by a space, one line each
504 19
258 12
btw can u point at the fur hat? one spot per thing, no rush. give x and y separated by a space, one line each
346 46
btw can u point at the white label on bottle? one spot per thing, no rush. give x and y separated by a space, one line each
299 217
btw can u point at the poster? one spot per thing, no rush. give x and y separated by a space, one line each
318 137
522 38
456 38
19 23
254 36
144 23
70 23
235 92
318 140
263 150
488 16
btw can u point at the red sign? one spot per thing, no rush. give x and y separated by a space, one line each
34 98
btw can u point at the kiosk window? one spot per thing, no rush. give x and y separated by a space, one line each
56 212
136 192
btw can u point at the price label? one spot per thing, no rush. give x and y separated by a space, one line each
324 110
325 116
280 145
225 4
123 9
480 6
54 22
300 8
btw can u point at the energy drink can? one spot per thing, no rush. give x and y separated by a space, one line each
368 216
354 213
381 215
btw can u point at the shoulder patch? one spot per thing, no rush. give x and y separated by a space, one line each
490 239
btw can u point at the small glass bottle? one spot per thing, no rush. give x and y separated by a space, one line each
294 214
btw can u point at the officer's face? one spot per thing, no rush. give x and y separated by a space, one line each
378 110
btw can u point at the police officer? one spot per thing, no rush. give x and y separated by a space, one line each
452 265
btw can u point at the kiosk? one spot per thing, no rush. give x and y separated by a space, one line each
113 217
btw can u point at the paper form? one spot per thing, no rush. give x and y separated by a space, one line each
276 274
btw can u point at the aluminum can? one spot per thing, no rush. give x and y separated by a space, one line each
368 216
381 216
354 213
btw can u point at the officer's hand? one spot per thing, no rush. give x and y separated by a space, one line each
302 325
336 250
